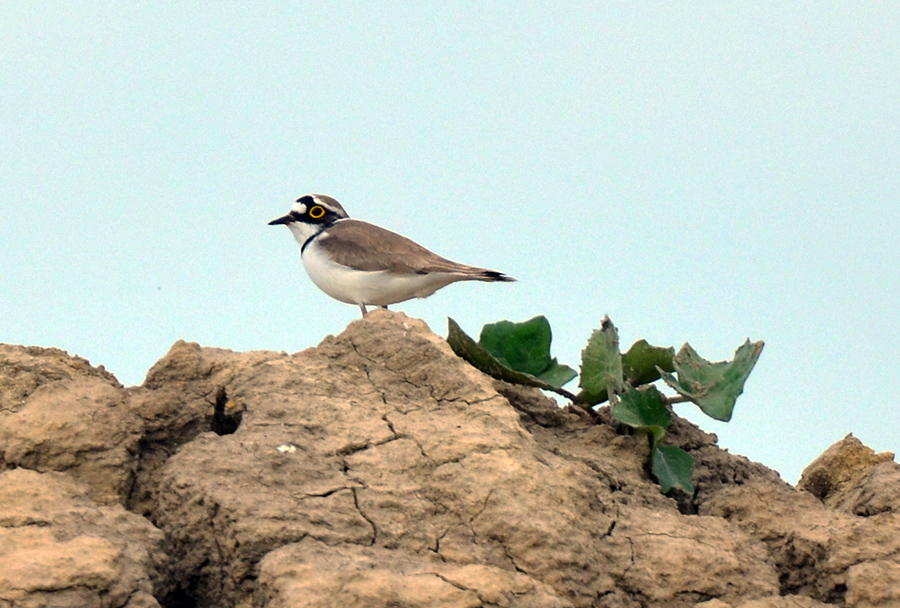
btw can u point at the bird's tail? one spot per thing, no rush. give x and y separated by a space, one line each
492 275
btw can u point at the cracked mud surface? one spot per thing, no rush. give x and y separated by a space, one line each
378 469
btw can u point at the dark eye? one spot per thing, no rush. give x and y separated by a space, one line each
317 212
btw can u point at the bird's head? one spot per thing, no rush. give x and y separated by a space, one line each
311 214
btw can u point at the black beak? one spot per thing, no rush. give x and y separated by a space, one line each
284 219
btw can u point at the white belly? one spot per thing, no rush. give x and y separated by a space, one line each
375 288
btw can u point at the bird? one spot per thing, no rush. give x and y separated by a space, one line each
360 263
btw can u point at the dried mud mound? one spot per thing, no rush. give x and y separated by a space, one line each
379 469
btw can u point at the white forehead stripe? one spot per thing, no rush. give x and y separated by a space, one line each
299 207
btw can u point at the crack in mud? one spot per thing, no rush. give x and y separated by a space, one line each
322 494
511 559
364 516
455 584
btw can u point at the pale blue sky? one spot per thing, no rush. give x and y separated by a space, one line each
701 172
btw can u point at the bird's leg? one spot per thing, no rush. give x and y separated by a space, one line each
383 307
362 307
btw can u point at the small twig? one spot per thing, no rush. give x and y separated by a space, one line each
567 395
677 399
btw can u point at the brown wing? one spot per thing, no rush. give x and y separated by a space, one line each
365 246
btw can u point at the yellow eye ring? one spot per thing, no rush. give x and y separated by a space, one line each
316 212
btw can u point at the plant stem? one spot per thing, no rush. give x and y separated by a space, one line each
567 395
677 399
613 398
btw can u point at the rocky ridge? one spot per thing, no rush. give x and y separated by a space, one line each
378 469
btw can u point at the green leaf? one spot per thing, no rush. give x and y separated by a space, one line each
480 358
557 374
645 410
601 364
714 387
641 361
524 347
672 468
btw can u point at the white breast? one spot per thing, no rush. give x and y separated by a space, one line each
376 288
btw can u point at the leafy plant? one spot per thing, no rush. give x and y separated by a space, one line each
489 356
526 347
520 353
